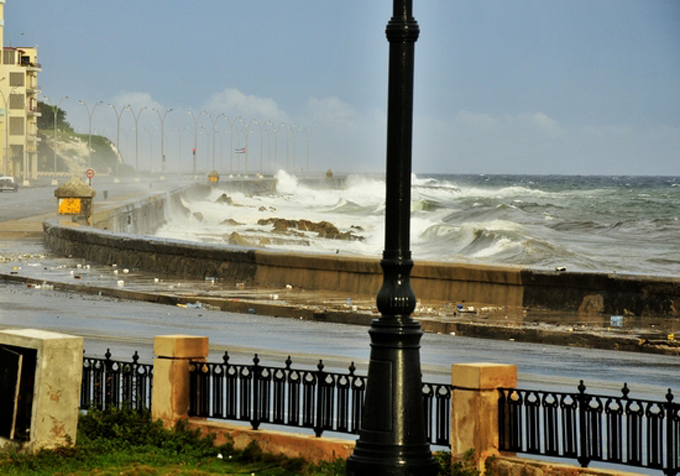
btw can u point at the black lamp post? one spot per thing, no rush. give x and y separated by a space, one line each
393 437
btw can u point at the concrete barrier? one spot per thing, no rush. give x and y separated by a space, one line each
121 236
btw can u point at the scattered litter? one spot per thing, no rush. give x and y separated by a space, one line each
240 285
120 283
251 311
126 271
196 305
470 309
79 266
274 297
349 301
560 268
77 276
48 286
671 336
616 321
452 333
288 286
33 265
115 272
155 280
210 281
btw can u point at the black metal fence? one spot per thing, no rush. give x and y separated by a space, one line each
314 399
111 383
585 427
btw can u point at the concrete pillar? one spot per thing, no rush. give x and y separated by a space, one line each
51 371
170 401
474 415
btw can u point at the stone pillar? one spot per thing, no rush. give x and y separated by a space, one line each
50 369
474 415
170 401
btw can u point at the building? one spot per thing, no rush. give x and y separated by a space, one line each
19 109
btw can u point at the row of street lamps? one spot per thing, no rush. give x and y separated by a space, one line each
233 126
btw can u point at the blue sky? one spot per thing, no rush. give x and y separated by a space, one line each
526 87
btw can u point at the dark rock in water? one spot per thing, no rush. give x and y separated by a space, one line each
230 222
262 209
198 216
224 198
236 239
323 229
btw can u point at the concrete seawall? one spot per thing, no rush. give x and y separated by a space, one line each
122 236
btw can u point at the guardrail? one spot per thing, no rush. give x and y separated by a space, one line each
112 383
587 427
302 398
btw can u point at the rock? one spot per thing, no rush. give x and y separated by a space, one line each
224 198
198 216
230 222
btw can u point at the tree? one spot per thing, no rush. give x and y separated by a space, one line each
46 120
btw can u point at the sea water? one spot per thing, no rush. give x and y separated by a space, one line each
581 223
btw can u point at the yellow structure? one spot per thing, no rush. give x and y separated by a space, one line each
18 109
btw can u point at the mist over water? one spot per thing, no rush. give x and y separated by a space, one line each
584 223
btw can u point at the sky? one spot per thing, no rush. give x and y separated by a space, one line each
589 87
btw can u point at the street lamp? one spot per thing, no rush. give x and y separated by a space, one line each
232 126
179 148
136 117
118 114
214 124
89 133
150 134
207 146
309 133
162 119
55 108
293 131
195 119
246 131
261 127
393 437
288 132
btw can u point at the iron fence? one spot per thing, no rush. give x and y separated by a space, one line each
586 427
314 399
111 383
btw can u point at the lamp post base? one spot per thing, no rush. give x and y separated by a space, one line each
393 437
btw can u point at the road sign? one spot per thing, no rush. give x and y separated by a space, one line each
89 173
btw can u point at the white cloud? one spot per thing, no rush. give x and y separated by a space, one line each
234 103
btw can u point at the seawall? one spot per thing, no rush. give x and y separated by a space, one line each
123 236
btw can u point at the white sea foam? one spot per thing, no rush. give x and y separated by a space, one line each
579 222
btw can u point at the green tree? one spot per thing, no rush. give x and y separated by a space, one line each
46 120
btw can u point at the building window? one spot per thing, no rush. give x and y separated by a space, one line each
16 126
17 79
8 57
16 101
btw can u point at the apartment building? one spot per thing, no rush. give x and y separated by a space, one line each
19 109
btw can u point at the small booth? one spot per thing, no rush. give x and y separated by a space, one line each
40 382
74 198
214 177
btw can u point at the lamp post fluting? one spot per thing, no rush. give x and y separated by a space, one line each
136 117
393 438
90 113
118 114
55 108
195 119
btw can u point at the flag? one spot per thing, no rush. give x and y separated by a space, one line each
240 151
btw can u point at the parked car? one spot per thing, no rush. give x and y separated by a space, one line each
8 184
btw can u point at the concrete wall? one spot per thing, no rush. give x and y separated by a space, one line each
118 237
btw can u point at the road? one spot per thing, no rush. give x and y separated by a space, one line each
128 326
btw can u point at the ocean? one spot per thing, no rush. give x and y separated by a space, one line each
628 225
